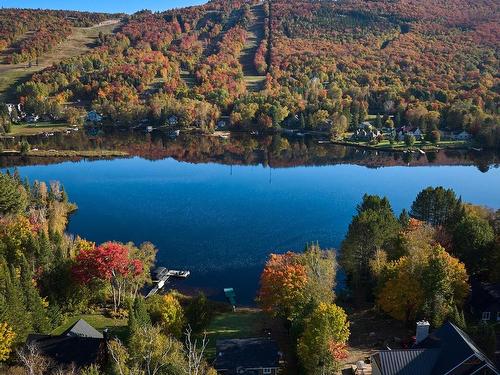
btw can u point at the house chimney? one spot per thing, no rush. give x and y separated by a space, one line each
422 331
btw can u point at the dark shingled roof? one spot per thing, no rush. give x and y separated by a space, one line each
82 329
81 345
67 350
246 353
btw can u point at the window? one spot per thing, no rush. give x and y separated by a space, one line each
486 315
267 371
498 316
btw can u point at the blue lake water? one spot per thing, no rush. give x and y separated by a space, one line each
221 222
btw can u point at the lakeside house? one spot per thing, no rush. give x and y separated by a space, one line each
172 120
447 350
93 116
32 119
81 345
366 135
463 136
485 302
251 356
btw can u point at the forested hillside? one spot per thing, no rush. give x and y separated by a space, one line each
329 65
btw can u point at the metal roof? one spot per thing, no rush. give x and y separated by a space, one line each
406 362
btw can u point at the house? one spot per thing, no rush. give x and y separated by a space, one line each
32 118
447 350
80 345
485 301
172 120
463 136
365 125
93 116
251 356
418 134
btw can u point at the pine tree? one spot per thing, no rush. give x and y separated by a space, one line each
32 300
132 322
141 312
12 310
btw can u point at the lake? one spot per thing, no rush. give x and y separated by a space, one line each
221 220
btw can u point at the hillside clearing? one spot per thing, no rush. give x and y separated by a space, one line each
253 80
80 41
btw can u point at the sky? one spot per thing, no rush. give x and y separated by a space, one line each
113 6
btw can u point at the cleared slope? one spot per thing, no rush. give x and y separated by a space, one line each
254 81
80 41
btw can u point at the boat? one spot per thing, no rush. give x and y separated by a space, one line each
323 142
476 149
421 151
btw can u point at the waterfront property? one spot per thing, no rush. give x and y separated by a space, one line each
81 345
448 350
255 356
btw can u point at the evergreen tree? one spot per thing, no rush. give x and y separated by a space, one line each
132 322
32 300
12 309
141 312
11 199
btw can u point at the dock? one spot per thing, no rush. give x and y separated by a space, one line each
161 275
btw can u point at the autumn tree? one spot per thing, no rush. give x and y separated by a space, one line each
111 263
172 318
7 336
282 285
323 344
429 282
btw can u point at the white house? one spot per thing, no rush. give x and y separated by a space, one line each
93 116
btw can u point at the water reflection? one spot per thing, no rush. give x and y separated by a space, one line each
240 149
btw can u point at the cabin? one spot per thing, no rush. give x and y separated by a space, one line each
252 356
80 346
32 119
485 302
365 125
93 116
447 350
463 136
418 134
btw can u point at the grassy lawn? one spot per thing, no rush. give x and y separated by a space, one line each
240 324
385 144
116 327
42 127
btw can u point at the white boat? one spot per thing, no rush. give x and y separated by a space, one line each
421 151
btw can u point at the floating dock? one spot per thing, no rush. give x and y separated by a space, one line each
161 275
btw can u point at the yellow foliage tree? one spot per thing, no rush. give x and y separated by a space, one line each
7 336
429 281
171 315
